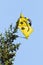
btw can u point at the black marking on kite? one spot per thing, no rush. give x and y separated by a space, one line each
27 25
29 21
22 28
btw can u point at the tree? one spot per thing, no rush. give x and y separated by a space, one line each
7 46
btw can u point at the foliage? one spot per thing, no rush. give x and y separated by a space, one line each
7 46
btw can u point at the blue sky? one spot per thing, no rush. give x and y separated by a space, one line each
31 50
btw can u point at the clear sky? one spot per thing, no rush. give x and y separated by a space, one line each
31 50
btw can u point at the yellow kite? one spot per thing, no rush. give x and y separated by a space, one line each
25 26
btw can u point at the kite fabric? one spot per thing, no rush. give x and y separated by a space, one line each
24 26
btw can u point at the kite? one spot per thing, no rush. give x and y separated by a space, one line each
25 25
